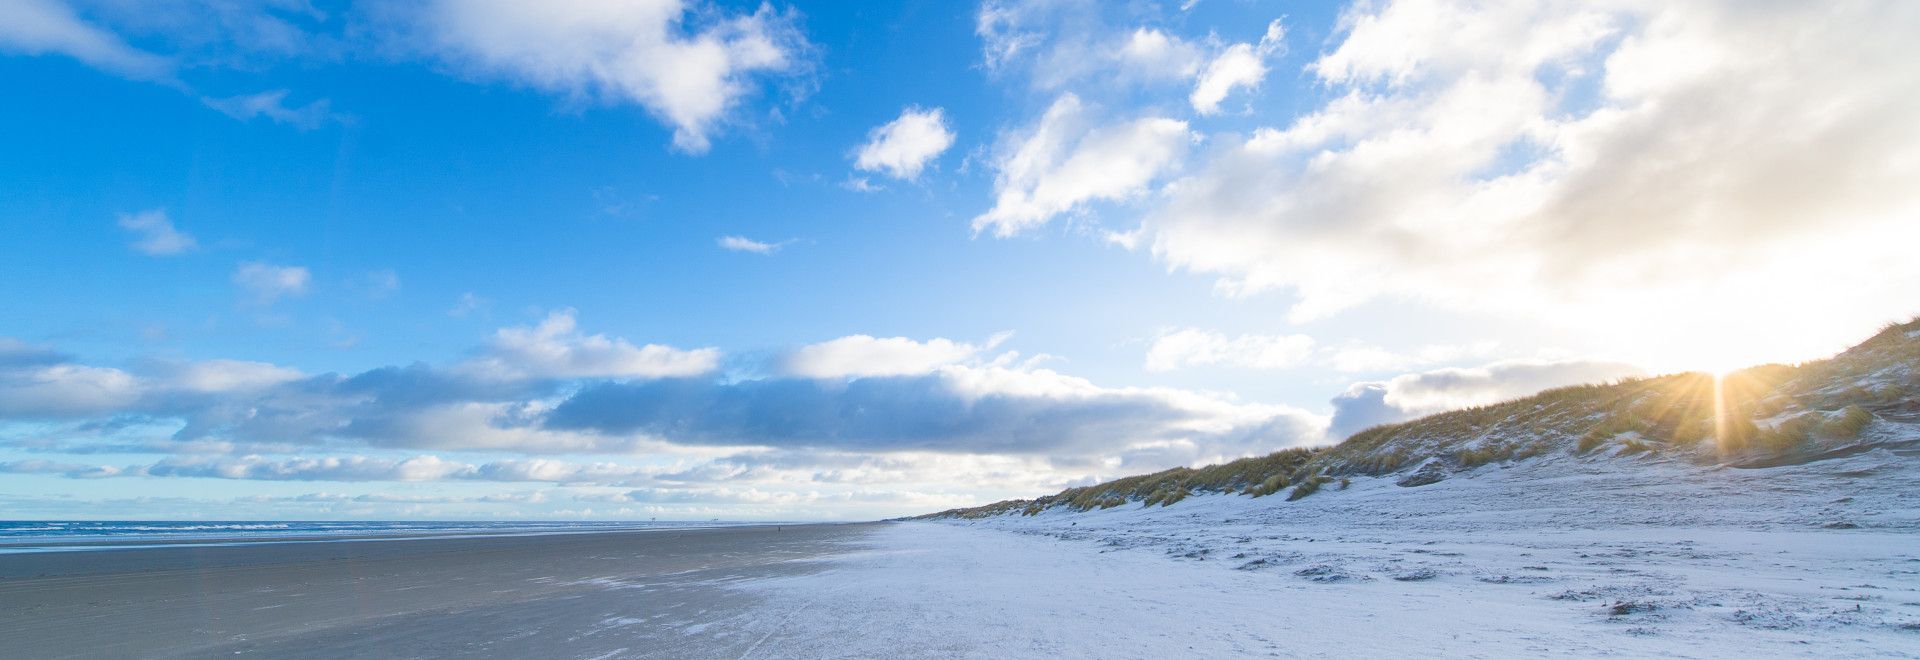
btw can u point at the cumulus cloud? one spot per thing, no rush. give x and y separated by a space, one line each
864 355
1158 54
1240 65
154 233
495 401
687 63
854 410
266 283
40 391
272 104
1065 161
555 348
1412 395
954 409
39 27
1565 160
39 383
222 375
902 147
992 414
1196 347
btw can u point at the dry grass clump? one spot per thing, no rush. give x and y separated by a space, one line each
1848 424
1310 486
1270 486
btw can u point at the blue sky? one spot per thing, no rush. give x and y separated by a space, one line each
832 260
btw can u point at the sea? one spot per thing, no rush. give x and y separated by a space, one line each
43 535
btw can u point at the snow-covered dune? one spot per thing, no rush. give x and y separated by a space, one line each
1775 511
1559 556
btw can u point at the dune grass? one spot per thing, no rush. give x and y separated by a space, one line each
1770 409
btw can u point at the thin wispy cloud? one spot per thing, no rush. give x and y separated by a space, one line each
272 105
469 304
743 244
381 284
155 234
264 283
50 27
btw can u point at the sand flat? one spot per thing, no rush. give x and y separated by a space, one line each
644 593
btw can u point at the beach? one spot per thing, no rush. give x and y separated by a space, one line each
653 593
1561 557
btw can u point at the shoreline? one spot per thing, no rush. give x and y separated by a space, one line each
14 547
505 596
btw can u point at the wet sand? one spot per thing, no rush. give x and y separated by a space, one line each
657 593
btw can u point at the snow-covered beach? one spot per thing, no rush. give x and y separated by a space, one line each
1566 555
1569 556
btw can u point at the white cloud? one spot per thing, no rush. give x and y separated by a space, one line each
38 27
902 147
1157 54
1062 163
917 403
1196 347
37 383
155 233
1241 65
65 390
688 64
223 375
1563 161
744 244
268 283
272 105
556 349
864 355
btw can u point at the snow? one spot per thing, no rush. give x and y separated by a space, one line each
1553 556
